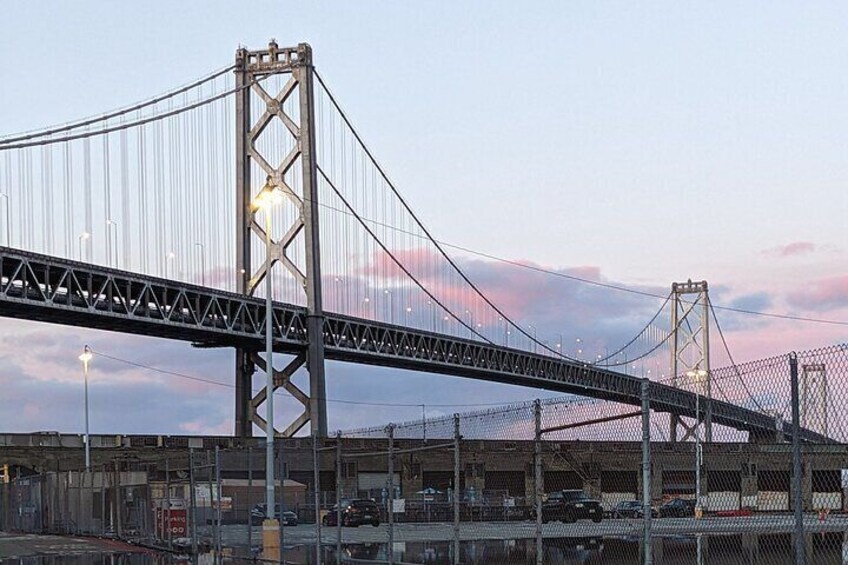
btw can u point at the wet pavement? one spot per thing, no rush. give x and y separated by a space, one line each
18 546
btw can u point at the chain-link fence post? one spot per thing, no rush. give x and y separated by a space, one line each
339 497
316 478
646 470
457 493
537 478
119 522
192 495
219 494
391 498
798 500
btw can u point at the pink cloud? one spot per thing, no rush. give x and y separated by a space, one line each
794 249
824 294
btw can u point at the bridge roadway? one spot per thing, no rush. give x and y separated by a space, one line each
61 291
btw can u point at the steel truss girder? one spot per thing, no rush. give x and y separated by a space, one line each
50 289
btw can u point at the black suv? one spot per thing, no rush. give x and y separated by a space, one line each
678 508
355 513
570 506
285 516
630 509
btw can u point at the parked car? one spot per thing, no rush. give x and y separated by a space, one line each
286 517
678 508
570 506
354 513
630 509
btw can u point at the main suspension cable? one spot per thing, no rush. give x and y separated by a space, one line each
115 113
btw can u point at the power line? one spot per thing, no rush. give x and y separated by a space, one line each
139 122
115 113
335 400
583 280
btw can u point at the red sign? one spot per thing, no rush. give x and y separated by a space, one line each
178 526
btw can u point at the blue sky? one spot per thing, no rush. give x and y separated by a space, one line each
651 141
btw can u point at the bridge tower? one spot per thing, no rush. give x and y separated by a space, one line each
284 172
690 352
814 414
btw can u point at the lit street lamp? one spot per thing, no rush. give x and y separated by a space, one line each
86 358
267 198
84 236
169 258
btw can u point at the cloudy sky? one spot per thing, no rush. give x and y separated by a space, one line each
635 144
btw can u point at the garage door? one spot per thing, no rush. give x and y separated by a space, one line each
511 483
724 490
562 480
827 489
618 486
678 483
773 491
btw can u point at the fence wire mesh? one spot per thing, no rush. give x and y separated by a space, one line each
565 480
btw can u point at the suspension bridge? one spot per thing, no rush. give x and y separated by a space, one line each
146 220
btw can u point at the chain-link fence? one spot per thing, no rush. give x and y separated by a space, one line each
564 480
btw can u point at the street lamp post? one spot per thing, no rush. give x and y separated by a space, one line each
388 294
168 259
473 326
82 237
433 313
5 197
697 375
265 200
86 358
110 242
202 263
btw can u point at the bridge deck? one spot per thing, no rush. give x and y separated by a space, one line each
61 291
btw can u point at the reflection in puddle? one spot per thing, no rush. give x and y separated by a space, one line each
764 549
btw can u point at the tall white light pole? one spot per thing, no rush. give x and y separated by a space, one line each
266 200
171 256
110 242
391 304
82 237
697 374
86 358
